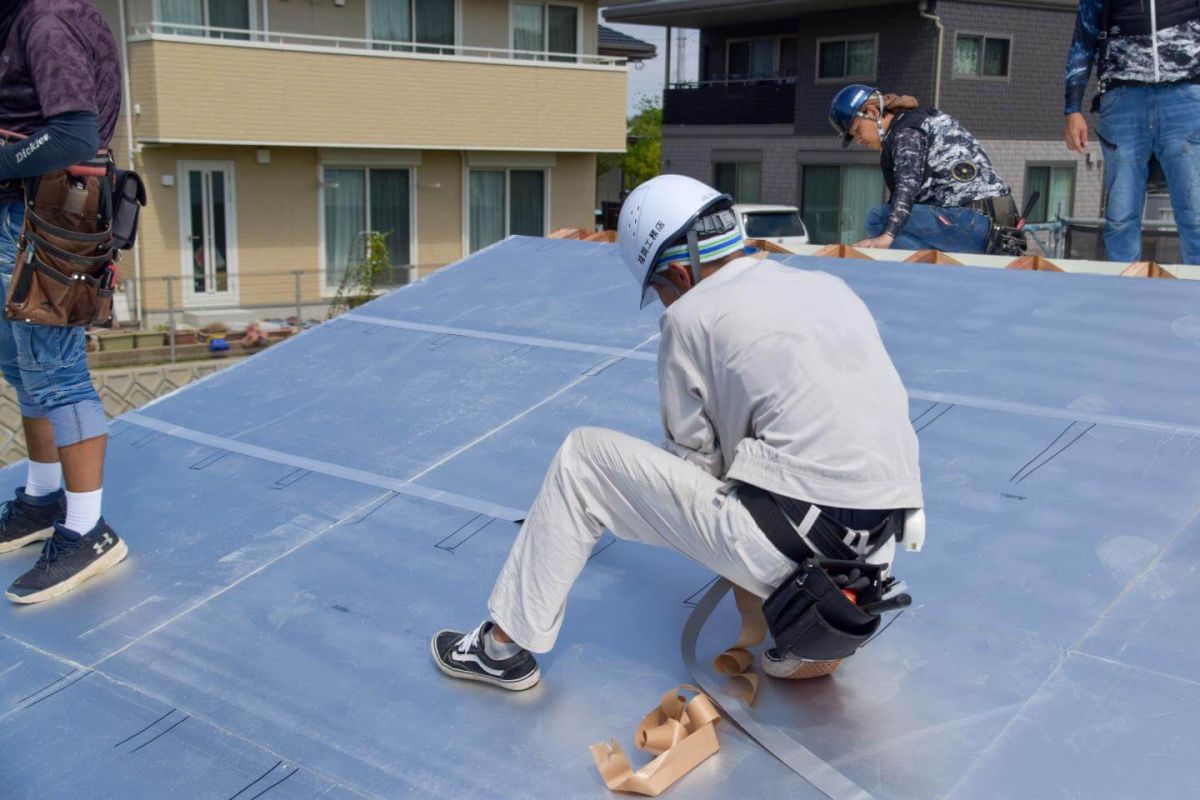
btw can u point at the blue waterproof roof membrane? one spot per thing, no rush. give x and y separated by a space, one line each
301 523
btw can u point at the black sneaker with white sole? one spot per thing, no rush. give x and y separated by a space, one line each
68 560
462 655
25 520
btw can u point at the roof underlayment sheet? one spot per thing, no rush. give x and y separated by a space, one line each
302 522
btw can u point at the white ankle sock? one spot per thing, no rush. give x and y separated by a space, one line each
42 479
83 510
496 650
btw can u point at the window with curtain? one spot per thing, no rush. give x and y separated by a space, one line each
503 203
1055 186
230 14
741 181
546 27
435 21
835 201
360 200
391 20
529 30
756 59
977 56
846 59
420 21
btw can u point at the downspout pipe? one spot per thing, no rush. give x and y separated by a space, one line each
132 154
928 9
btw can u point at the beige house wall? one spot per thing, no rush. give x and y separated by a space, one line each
439 209
573 191
278 221
240 94
320 19
277 234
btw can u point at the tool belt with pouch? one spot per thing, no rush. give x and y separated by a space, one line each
77 221
831 604
1004 237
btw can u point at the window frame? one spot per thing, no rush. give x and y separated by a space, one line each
871 37
737 168
412 6
1051 165
776 54
254 22
366 166
507 170
545 4
983 38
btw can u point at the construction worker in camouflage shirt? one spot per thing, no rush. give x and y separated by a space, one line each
1147 57
944 193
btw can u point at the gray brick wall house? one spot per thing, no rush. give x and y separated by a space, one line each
755 122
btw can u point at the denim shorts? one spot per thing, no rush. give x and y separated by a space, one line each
46 365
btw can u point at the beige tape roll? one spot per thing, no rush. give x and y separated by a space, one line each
681 732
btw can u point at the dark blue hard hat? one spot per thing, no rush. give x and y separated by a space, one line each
846 106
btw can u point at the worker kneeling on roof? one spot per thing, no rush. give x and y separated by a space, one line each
787 443
944 193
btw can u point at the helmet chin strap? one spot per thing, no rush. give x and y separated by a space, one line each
879 119
694 254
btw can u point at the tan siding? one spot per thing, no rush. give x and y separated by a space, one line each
439 209
573 191
485 23
139 11
210 92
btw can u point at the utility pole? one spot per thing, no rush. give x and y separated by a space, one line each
667 62
681 56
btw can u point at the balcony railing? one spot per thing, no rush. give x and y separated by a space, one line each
731 101
377 47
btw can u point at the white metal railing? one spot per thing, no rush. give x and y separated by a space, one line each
155 30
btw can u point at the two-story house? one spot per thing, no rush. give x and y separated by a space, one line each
755 123
273 134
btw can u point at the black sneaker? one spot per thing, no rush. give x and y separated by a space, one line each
68 560
25 520
461 655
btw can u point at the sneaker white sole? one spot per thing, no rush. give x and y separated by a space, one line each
528 682
36 536
110 559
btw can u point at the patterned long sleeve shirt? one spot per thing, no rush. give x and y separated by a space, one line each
1168 55
929 158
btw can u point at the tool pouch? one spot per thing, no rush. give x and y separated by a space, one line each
810 617
76 220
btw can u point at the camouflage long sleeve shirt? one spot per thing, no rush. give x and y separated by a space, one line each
1168 55
929 158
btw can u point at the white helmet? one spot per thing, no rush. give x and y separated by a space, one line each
663 210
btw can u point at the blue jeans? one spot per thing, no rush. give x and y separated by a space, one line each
951 230
47 366
1135 123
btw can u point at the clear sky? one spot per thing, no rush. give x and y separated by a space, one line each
647 81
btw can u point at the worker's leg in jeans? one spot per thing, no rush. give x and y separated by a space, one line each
1125 139
30 515
1177 145
601 479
